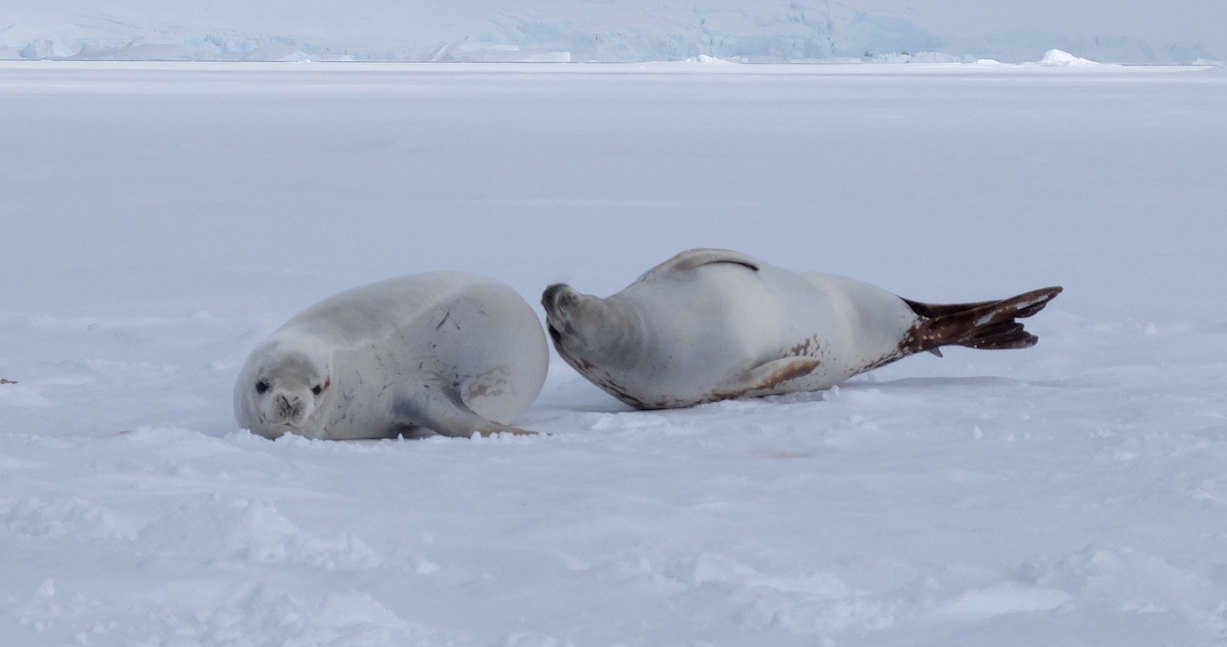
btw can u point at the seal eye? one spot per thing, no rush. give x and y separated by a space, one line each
317 389
261 386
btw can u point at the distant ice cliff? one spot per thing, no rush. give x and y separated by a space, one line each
595 31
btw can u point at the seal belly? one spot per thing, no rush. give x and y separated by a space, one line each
726 331
698 329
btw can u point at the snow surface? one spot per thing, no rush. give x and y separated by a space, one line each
160 219
1147 32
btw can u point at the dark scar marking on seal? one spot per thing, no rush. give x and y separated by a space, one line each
446 314
489 383
808 348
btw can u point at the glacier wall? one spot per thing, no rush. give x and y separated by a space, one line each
608 30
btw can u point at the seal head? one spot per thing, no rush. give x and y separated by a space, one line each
283 388
576 320
588 329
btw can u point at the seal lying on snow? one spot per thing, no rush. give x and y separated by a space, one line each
713 324
449 352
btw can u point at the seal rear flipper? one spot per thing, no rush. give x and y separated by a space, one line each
988 325
447 415
766 376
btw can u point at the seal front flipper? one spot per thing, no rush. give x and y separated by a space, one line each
766 376
693 259
443 412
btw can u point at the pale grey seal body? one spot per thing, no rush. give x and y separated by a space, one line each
712 324
448 352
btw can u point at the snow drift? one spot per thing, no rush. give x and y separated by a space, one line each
160 219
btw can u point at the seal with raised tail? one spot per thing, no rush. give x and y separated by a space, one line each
445 352
714 324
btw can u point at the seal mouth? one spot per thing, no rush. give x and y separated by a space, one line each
557 335
282 423
285 411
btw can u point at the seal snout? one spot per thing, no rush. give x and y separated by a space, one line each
288 409
557 297
558 301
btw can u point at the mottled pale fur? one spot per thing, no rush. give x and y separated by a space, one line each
449 352
712 324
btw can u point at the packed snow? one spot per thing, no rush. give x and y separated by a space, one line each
161 219
1145 33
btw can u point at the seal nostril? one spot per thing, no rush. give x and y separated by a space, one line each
555 296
